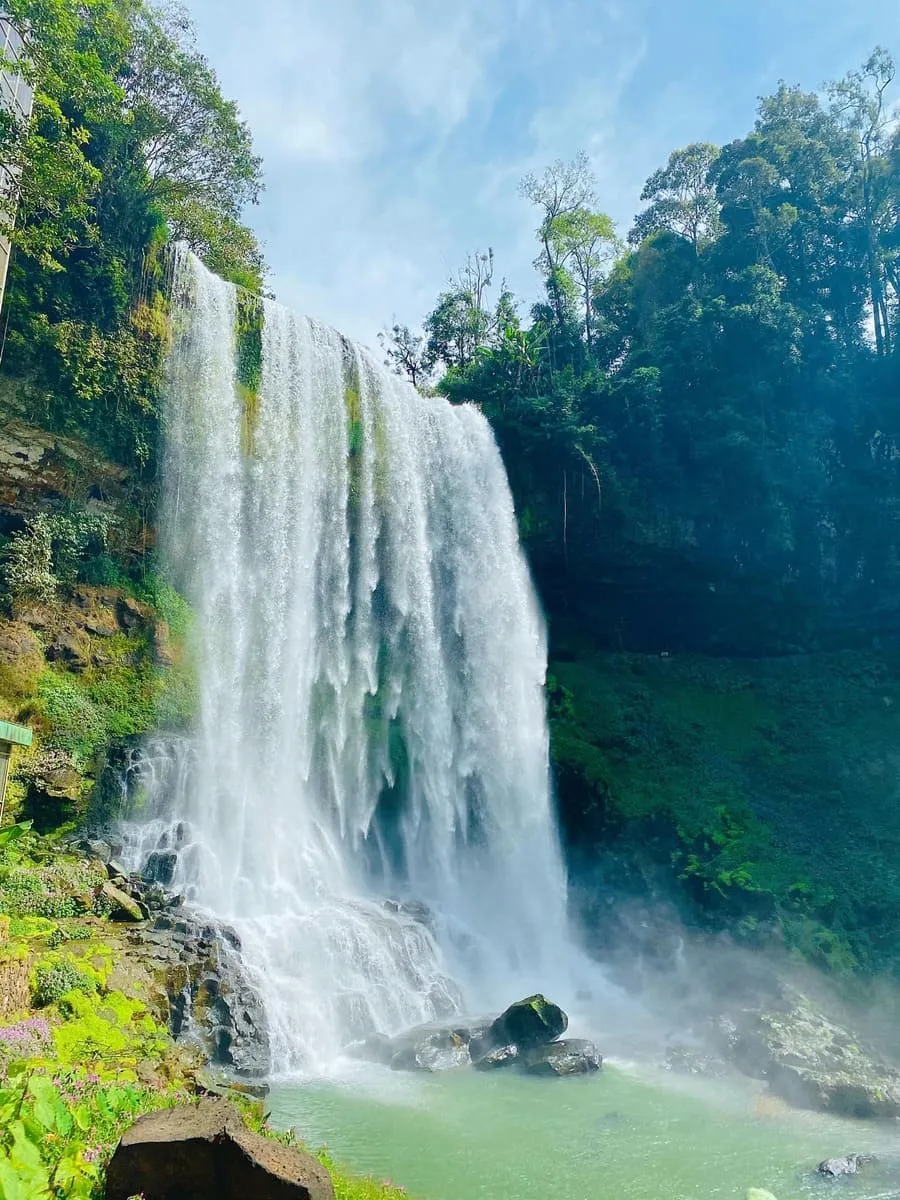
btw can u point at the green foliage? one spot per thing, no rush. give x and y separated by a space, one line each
49 553
738 780
39 888
54 980
58 1130
248 362
197 151
132 142
169 605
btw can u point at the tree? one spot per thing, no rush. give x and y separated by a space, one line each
461 322
198 152
859 103
72 57
588 241
682 197
562 190
406 354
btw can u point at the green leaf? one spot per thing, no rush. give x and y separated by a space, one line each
13 833
48 1105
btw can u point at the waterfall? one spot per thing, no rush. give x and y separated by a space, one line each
368 801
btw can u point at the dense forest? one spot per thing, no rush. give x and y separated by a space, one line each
700 423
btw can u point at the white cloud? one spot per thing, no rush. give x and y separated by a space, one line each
394 132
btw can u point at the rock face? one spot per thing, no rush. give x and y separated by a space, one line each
572 1057
204 992
812 1062
205 1152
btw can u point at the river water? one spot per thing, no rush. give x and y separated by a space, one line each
629 1132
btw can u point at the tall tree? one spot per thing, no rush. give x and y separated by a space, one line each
682 197
198 152
859 102
584 243
562 190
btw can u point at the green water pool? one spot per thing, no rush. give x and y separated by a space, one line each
629 1133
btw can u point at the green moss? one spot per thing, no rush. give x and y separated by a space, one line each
248 363
115 1032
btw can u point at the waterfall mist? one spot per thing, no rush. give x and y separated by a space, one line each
370 657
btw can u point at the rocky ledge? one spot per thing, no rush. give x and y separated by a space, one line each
525 1036
198 984
811 1061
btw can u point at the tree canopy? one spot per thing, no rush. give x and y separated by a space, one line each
704 422
131 144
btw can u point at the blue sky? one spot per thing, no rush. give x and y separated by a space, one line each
394 132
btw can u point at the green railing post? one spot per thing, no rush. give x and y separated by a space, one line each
10 735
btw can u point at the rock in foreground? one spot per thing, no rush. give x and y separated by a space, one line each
206 1152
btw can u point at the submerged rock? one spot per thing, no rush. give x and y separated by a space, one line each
572 1057
812 1062
848 1164
438 1046
206 1152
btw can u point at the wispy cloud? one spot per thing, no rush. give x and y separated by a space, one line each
395 131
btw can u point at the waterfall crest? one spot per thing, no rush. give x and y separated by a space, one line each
371 658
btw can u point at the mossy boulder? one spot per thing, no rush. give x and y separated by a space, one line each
534 1021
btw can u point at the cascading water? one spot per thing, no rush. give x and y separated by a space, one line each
371 659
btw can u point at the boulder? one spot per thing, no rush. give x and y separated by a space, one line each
124 907
503 1056
431 1048
573 1057
534 1021
848 1164
206 1152
437 1046
811 1061
99 849
160 867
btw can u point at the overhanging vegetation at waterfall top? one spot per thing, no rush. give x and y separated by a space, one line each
131 143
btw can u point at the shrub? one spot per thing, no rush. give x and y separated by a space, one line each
56 979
